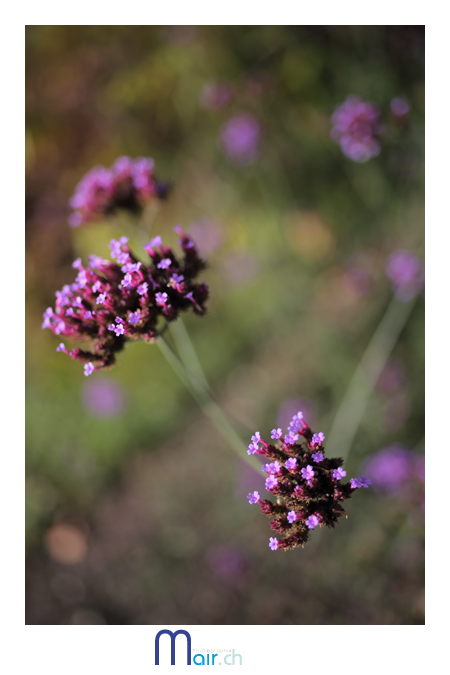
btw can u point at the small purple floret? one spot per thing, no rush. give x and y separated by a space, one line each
308 473
101 298
134 318
143 288
339 473
252 448
164 264
253 497
312 522
271 482
360 482
161 299
175 281
296 423
273 543
88 369
116 328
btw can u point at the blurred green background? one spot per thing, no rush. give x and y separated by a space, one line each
136 506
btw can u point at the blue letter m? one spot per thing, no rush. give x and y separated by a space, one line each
172 645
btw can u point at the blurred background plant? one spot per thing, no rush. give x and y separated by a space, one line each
136 507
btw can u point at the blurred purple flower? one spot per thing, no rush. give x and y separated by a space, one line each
406 273
92 196
103 398
215 95
399 107
356 126
207 236
240 138
393 467
228 564
128 184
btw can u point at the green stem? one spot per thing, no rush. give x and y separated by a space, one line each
362 384
187 352
203 397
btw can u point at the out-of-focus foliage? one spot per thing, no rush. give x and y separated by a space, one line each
136 508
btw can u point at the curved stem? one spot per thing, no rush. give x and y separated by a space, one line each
362 384
187 352
203 397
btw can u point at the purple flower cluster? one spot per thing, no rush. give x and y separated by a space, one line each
406 273
114 301
129 184
356 126
306 485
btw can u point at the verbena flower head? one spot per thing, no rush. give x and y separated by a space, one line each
406 273
128 184
356 126
240 138
308 492
111 302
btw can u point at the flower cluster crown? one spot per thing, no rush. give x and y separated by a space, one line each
112 301
306 484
